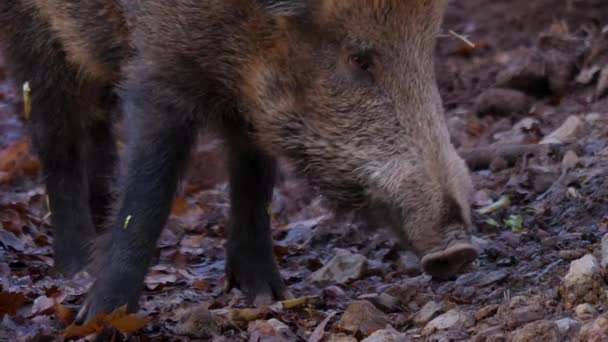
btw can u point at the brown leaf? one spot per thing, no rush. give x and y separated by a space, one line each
119 319
124 322
93 326
10 302
63 314
16 158
180 206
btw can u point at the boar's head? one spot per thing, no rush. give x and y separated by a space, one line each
346 90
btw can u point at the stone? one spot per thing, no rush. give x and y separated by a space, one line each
340 338
583 283
542 330
199 323
568 132
491 334
585 312
604 262
272 330
568 326
502 102
362 317
519 312
486 311
383 301
387 335
343 268
428 312
452 319
409 264
595 331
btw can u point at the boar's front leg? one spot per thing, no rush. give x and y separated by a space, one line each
156 153
251 265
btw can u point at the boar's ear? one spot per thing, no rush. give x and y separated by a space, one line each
286 8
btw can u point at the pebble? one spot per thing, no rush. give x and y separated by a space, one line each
387 335
585 312
567 326
542 330
595 331
272 330
340 338
364 318
568 132
428 312
502 102
520 311
409 263
491 334
583 283
382 301
343 268
604 262
449 320
486 311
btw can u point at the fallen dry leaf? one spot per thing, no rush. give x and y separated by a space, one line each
10 302
118 319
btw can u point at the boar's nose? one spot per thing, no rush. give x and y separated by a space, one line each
449 262
458 252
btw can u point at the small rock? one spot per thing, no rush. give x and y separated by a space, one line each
571 254
585 312
409 263
199 323
343 268
568 132
526 73
491 334
270 331
583 283
502 102
341 338
570 160
387 335
545 331
428 312
450 320
519 312
498 164
604 261
602 84
383 301
486 311
362 317
567 326
595 331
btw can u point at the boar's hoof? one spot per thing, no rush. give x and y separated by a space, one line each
106 296
260 287
448 263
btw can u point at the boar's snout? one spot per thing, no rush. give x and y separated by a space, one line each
449 262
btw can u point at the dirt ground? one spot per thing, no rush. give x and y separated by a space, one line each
525 87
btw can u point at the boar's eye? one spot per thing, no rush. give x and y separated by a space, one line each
361 60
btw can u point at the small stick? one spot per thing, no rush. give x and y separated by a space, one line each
463 39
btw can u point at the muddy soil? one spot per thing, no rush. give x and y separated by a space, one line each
512 73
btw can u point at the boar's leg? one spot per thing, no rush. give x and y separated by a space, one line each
59 104
101 162
251 265
156 153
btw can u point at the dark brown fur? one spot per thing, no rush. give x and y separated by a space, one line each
343 88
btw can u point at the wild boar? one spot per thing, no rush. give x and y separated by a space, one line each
343 89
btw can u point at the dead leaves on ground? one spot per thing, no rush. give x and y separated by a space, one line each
119 319
16 159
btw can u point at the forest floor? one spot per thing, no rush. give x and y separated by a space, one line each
537 76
